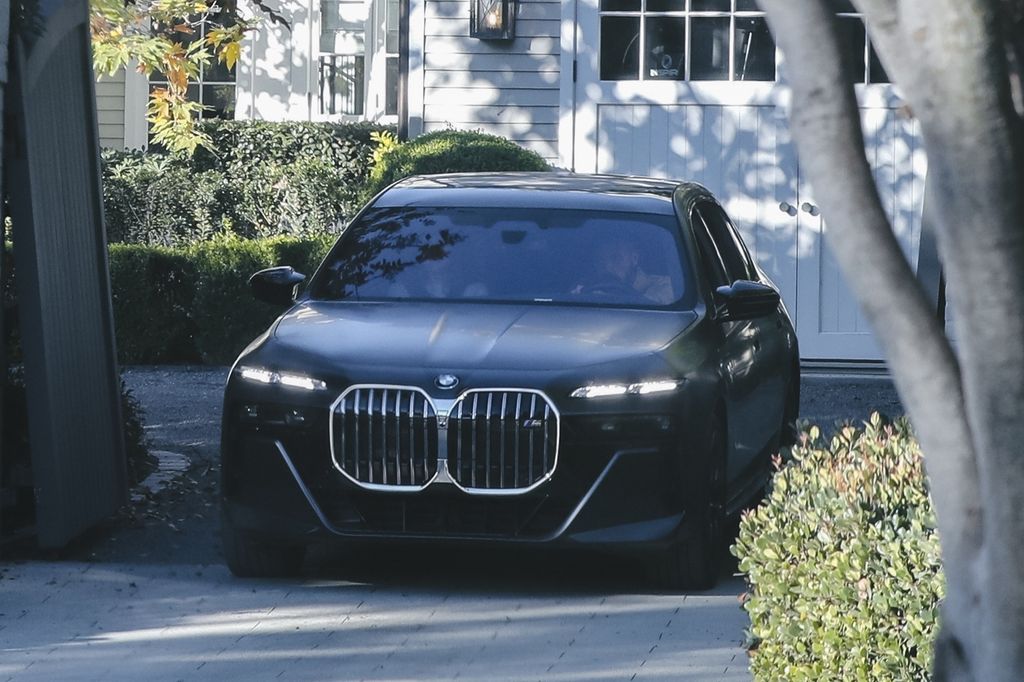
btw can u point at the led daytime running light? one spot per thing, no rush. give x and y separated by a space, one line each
264 376
640 388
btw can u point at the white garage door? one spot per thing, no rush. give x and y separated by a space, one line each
687 89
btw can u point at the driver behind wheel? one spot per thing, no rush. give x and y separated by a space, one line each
617 270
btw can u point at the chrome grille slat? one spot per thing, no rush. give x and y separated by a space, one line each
381 437
499 441
509 437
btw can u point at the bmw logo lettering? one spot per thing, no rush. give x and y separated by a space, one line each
446 381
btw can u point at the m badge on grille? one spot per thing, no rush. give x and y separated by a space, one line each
446 381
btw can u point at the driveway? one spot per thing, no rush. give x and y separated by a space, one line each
148 597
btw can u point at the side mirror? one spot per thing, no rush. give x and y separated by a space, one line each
277 286
745 300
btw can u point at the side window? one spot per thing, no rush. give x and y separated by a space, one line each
733 254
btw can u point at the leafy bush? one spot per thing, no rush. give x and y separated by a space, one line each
192 303
843 561
451 151
266 179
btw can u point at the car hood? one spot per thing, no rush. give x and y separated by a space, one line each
472 336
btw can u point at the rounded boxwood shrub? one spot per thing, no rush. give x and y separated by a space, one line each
451 151
843 561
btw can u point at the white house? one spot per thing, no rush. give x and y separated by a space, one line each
688 89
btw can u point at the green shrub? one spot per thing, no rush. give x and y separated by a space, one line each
148 199
265 179
152 289
451 151
192 304
226 315
843 561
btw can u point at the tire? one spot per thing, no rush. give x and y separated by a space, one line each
694 563
251 557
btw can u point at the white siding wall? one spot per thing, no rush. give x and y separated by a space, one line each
110 109
504 88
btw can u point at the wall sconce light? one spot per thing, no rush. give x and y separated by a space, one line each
492 19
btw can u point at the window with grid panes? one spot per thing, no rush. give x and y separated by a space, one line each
215 86
710 40
698 40
358 60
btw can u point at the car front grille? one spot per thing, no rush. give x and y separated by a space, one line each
501 439
385 437
489 441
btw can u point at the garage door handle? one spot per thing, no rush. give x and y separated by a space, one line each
788 209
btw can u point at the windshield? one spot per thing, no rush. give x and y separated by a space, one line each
508 255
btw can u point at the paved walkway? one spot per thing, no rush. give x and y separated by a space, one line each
79 621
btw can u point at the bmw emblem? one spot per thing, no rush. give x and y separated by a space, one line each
446 381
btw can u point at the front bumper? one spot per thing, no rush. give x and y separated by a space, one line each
600 495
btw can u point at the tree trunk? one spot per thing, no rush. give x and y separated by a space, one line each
950 60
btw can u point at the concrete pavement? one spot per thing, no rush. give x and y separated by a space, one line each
81 621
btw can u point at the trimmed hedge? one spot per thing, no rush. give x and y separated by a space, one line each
265 179
192 304
843 561
451 151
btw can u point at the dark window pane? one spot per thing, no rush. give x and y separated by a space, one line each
843 6
877 73
851 43
221 101
666 48
747 6
665 5
341 84
709 49
755 50
620 5
217 72
620 48
391 21
391 86
711 5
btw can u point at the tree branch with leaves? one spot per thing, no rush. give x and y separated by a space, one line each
177 39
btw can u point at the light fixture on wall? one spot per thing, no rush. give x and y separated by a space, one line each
492 19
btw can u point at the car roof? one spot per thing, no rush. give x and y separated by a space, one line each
536 190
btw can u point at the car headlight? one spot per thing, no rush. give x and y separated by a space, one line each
265 376
640 388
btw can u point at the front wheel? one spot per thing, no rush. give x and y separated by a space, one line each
694 563
251 557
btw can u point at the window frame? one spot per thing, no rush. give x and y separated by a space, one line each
688 14
375 55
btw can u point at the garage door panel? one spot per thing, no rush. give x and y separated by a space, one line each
740 153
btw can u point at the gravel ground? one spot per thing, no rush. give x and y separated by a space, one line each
182 414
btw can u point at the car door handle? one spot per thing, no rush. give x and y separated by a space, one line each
757 346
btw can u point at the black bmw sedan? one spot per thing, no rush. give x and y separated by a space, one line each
534 359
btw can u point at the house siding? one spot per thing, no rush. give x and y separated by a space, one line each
504 88
110 109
